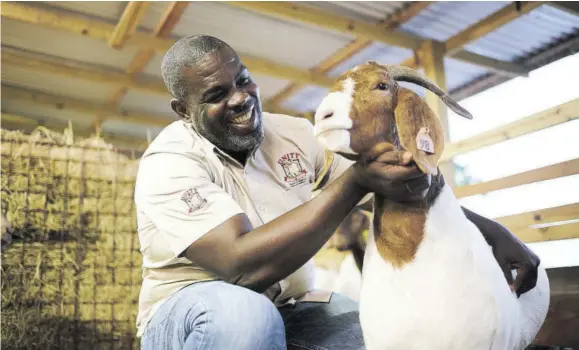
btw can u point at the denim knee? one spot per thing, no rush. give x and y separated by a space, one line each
216 315
243 319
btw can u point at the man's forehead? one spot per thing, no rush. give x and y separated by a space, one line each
213 67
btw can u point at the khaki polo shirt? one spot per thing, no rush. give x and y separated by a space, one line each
186 186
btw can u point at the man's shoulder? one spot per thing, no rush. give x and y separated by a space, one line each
174 139
288 125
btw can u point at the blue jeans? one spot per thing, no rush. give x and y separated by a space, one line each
222 316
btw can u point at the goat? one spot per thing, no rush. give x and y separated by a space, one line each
430 280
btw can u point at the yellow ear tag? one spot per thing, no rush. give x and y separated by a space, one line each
424 141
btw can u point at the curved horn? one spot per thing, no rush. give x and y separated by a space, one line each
402 73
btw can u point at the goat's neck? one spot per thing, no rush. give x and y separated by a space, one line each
399 227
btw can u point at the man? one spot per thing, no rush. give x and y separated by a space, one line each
227 225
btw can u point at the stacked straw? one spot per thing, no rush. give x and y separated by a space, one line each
71 276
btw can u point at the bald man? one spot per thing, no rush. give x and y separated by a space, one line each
227 225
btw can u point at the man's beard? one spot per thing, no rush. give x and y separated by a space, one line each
231 142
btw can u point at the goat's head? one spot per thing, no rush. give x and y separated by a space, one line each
366 106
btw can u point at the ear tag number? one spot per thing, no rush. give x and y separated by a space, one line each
424 141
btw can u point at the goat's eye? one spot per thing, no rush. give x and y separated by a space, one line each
382 86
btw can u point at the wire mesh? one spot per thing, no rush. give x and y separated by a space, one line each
71 275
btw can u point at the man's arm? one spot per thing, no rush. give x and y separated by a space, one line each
257 258
509 251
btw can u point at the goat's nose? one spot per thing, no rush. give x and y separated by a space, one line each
327 115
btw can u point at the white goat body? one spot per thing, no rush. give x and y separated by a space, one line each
453 295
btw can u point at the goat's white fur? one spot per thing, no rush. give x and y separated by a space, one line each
453 295
333 133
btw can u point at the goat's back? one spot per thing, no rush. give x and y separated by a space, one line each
453 295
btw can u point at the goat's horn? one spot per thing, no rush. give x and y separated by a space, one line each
402 73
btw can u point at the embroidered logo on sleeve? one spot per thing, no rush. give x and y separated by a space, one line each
193 199
295 174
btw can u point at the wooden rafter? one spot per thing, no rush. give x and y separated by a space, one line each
337 23
88 72
352 48
550 233
568 168
169 20
100 30
64 103
545 119
127 25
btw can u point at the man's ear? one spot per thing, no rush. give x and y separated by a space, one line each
180 108
419 130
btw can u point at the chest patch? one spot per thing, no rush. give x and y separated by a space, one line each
193 199
291 164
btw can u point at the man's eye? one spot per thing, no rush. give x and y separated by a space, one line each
215 97
382 86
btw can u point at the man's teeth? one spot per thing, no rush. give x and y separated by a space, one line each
242 119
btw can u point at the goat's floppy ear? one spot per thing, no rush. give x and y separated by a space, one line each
420 131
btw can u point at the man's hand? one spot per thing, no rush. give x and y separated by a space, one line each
393 175
510 253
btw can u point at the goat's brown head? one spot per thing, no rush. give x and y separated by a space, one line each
366 106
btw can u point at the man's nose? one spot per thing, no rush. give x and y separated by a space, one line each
239 100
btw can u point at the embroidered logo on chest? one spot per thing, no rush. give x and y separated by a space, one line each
193 199
291 164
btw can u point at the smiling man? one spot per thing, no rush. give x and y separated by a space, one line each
227 225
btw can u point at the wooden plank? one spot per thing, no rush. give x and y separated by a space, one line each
489 24
64 103
169 20
100 30
323 19
88 72
501 67
352 48
432 57
551 233
127 25
570 167
545 119
543 216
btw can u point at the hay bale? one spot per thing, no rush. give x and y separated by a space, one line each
72 275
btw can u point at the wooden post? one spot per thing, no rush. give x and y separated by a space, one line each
431 56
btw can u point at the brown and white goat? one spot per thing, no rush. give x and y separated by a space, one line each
430 280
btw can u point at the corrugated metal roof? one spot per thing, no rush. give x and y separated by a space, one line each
110 10
365 11
137 101
64 44
42 112
513 40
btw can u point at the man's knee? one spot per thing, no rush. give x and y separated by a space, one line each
245 317
218 315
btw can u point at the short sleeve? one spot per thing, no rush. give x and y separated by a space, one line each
177 194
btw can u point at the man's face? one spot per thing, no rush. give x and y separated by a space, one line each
225 105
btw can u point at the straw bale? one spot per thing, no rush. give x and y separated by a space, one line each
72 276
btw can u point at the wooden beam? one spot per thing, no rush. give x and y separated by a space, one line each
568 168
545 119
323 19
19 122
543 216
127 25
432 57
169 20
100 30
489 24
88 72
353 48
63 103
501 67
551 233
